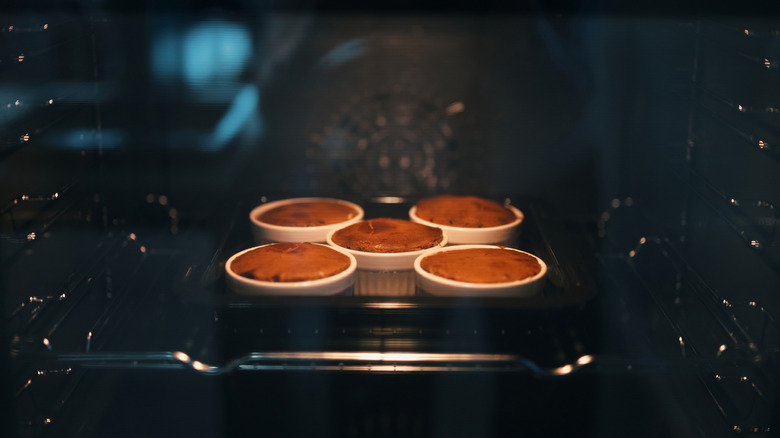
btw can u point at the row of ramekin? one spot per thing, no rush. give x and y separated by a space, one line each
265 233
399 282
384 274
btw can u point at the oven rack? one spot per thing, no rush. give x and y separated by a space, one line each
108 273
50 346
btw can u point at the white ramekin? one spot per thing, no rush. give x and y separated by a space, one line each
386 274
332 285
440 286
498 235
268 233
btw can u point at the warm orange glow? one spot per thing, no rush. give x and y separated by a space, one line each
584 360
562 371
392 357
455 108
182 356
200 366
389 305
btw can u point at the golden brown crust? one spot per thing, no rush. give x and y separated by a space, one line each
289 262
385 235
464 211
308 214
482 265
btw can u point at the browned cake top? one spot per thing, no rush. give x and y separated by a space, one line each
386 235
308 214
464 211
288 262
482 265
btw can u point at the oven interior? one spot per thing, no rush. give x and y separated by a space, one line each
642 148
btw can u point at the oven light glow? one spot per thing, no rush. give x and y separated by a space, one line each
386 368
564 370
455 108
391 357
584 360
389 200
390 305
200 366
181 356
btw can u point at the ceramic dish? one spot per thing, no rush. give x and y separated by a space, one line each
264 232
439 285
331 285
390 273
498 235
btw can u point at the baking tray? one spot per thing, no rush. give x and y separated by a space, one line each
569 283
552 328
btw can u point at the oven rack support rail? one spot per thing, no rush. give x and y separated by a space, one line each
367 361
